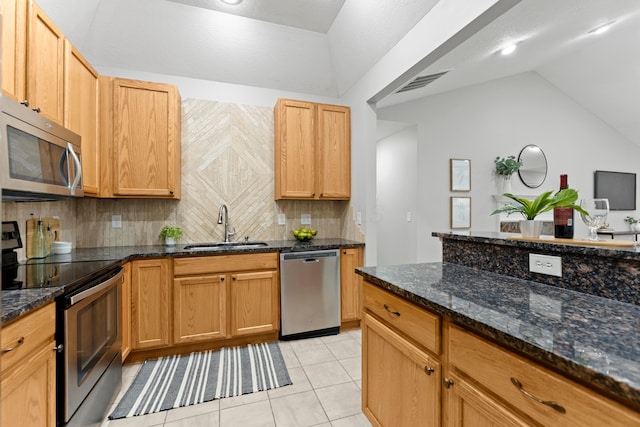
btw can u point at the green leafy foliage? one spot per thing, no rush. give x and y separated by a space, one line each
507 166
529 209
171 231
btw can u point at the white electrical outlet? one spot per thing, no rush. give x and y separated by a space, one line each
545 264
116 221
358 217
282 220
305 219
409 216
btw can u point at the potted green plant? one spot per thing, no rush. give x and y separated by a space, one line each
171 234
530 209
633 223
505 167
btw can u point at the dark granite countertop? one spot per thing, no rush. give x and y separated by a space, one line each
588 338
85 263
503 239
16 303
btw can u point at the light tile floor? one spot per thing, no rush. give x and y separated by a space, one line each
326 375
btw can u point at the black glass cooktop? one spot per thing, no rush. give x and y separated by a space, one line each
44 275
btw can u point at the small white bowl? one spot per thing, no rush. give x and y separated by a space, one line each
60 247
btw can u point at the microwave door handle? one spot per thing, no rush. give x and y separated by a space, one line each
78 175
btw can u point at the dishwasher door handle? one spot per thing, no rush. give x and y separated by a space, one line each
311 260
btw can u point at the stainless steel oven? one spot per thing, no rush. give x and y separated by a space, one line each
92 349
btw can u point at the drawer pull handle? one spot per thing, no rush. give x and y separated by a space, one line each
58 348
448 383
428 370
395 313
548 403
20 342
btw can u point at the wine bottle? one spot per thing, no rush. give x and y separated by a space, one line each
563 217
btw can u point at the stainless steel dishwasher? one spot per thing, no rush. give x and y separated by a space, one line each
309 293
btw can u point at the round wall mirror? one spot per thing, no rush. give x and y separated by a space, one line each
533 171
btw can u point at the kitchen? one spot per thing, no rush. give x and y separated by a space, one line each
89 222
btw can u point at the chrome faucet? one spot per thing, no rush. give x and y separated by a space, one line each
227 233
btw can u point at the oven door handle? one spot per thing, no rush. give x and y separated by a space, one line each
115 280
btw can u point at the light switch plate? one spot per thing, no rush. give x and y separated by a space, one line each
116 221
358 217
282 220
545 264
305 219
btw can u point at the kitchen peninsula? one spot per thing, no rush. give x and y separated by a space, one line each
463 343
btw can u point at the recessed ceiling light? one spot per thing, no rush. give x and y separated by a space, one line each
508 49
602 28
232 1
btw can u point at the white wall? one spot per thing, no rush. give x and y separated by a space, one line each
397 183
498 118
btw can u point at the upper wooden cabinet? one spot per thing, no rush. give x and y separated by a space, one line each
140 153
81 113
32 58
14 48
312 151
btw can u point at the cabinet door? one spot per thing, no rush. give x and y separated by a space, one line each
146 139
400 382
334 152
295 154
28 392
126 311
150 303
467 406
14 48
350 284
45 65
254 303
81 113
200 308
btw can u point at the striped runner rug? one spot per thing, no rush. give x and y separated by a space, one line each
176 381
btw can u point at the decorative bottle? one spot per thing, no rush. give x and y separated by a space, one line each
39 241
563 217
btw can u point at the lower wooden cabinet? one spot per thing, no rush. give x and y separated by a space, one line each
225 296
200 308
400 381
150 303
350 284
125 298
254 303
484 384
28 361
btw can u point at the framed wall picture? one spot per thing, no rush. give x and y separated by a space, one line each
460 212
460 174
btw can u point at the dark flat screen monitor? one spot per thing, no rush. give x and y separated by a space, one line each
618 187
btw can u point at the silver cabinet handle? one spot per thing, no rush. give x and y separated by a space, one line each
78 175
20 342
448 383
395 313
428 370
58 348
548 403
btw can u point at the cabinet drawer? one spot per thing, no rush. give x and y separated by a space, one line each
493 368
26 335
223 263
414 322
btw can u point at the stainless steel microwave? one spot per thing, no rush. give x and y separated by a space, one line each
39 159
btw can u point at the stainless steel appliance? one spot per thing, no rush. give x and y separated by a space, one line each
309 293
92 349
39 159
88 329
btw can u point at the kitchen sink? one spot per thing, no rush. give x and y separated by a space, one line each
224 245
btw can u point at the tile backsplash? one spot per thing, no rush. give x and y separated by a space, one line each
227 158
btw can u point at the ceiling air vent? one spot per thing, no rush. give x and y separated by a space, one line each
421 81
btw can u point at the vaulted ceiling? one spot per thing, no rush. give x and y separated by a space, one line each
323 47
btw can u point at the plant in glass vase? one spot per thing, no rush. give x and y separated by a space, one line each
505 167
530 209
170 234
